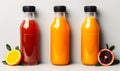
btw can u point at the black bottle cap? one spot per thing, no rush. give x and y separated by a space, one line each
90 8
28 8
59 8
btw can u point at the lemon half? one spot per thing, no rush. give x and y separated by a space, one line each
13 57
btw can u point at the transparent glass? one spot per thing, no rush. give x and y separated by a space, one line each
29 15
90 14
60 14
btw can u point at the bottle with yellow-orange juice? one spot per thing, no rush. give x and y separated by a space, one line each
59 37
90 37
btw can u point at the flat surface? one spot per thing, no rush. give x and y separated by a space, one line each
50 67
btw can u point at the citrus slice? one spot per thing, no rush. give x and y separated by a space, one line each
13 57
105 57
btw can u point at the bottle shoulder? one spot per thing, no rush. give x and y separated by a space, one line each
90 24
28 24
59 22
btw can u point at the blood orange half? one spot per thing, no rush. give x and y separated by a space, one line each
105 57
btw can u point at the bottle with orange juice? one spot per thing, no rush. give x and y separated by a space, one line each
90 37
60 37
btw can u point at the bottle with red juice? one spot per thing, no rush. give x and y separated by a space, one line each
29 37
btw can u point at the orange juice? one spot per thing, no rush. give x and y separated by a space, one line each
89 37
59 37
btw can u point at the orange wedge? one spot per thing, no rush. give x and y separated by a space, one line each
13 57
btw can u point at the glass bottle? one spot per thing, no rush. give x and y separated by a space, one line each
60 37
29 36
90 37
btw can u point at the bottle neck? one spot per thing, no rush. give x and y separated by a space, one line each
90 14
29 15
59 14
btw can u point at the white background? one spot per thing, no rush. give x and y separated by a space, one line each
11 16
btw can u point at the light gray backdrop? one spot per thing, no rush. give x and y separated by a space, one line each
11 16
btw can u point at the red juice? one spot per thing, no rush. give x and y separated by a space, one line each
29 41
